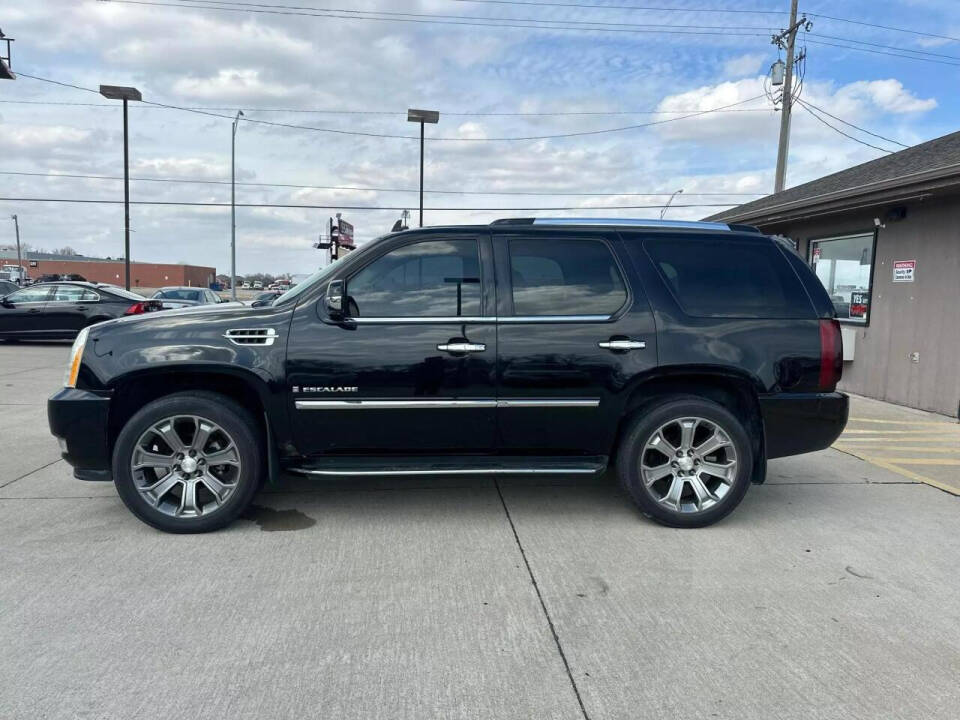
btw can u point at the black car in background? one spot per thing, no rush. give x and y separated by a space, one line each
54 311
680 355
174 298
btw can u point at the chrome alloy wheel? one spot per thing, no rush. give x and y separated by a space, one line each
689 464
185 466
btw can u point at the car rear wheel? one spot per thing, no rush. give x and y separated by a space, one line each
686 462
188 462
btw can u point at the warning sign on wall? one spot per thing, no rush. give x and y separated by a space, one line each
904 270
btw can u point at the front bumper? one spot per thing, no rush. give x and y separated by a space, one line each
796 423
79 421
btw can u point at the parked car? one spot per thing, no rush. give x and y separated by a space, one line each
681 355
245 286
257 285
60 310
48 278
182 297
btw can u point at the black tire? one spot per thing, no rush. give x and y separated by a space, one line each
238 424
642 429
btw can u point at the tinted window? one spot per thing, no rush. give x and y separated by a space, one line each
180 295
72 293
438 278
31 294
565 277
723 278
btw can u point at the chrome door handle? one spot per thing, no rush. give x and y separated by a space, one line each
622 345
462 347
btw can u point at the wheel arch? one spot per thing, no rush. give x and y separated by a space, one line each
736 391
133 390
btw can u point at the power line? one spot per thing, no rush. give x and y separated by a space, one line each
492 22
438 16
886 47
273 123
625 7
198 181
838 130
326 111
594 6
847 122
882 52
351 207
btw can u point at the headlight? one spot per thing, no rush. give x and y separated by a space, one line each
76 355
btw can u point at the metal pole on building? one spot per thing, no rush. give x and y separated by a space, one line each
667 206
16 227
783 147
422 116
116 92
233 207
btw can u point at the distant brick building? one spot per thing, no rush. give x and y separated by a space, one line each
149 275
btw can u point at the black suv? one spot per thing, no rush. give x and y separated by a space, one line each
682 355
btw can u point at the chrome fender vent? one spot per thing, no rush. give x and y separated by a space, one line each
251 336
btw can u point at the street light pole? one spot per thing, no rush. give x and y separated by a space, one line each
422 117
116 92
233 207
16 227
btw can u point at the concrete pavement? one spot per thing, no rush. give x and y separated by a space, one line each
831 592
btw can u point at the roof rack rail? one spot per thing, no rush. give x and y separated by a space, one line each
627 222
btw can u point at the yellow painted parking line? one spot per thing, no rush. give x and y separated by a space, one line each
893 467
900 422
955 433
905 448
914 461
947 439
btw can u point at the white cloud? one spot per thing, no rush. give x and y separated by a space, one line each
888 95
749 64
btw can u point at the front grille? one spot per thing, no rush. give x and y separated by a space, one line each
251 336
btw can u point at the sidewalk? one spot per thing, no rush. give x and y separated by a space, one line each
918 445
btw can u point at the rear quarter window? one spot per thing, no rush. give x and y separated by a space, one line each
726 278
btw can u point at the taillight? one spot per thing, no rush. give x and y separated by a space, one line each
142 307
831 355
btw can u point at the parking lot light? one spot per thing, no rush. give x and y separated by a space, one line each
119 92
422 117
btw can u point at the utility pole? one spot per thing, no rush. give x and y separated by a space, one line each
20 276
783 148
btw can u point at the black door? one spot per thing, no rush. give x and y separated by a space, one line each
69 309
21 312
573 336
412 370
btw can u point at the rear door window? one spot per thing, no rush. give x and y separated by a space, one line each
725 278
554 276
73 293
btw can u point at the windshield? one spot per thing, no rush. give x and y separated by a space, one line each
318 277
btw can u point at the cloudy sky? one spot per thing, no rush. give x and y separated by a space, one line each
431 53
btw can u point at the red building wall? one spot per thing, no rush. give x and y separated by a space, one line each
148 275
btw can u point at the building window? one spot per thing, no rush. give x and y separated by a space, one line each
844 266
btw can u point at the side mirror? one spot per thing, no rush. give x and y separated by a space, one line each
335 292
6 303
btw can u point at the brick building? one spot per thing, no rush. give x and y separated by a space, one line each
147 275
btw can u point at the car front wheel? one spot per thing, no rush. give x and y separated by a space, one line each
686 462
188 462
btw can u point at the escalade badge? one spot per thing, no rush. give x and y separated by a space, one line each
324 389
